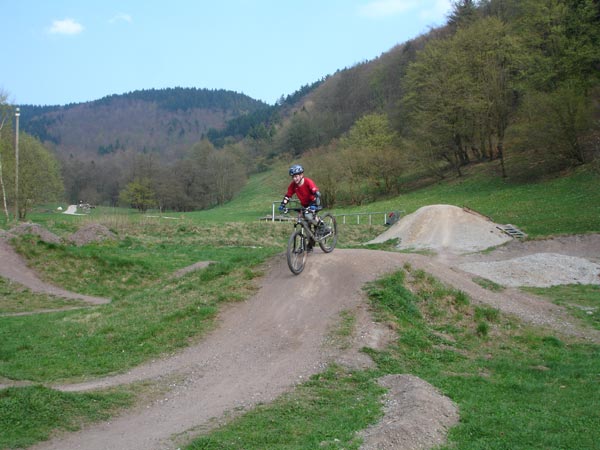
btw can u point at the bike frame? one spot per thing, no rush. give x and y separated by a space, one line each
304 223
304 237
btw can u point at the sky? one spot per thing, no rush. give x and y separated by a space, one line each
57 52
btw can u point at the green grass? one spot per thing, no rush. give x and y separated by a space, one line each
567 205
341 336
562 205
324 413
488 284
473 354
17 299
150 313
582 301
253 202
516 387
32 414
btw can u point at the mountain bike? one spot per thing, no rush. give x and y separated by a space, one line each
306 234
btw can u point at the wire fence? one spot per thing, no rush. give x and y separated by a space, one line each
382 217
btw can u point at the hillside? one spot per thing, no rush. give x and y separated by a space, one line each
161 121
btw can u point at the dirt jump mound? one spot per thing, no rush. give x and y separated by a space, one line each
444 227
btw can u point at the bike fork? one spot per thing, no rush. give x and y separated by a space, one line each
305 239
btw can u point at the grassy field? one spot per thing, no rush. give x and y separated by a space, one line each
565 205
502 374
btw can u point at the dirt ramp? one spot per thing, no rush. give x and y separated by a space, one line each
444 227
417 416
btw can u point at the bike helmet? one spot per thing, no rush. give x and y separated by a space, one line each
296 169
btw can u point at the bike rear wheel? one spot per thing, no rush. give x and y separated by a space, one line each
328 241
296 252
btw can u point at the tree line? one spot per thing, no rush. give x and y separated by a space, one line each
202 178
174 99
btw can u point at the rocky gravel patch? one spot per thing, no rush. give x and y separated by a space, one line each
537 270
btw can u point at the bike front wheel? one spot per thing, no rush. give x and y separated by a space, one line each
296 252
329 233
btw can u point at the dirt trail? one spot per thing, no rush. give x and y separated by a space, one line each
261 348
278 338
14 268
264 346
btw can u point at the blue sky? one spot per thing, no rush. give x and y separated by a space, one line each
68 51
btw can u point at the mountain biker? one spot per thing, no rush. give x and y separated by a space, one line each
307 192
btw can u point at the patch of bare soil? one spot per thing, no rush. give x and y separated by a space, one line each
87 234
35 230
93 232
188 269
416 416
264 346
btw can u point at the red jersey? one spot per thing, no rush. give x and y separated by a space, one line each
305 193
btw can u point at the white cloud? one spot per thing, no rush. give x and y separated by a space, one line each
66 26
385 8
121 17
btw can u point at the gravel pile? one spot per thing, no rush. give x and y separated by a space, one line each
444 227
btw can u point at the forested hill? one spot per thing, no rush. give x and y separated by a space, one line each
162 121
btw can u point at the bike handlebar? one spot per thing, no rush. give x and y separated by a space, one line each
287 210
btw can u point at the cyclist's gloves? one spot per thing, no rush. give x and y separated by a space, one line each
284 202
312 208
